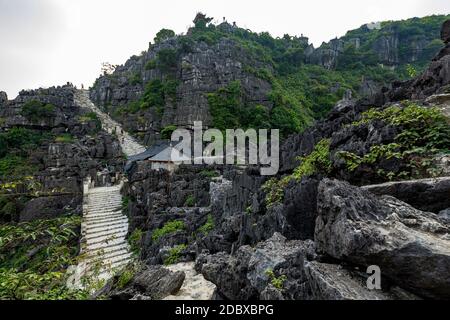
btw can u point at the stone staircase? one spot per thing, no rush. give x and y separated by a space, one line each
130 146
104 247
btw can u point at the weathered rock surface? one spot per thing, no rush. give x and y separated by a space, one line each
410 246
445 32
150 283
244 275
424 194
61 167
332 282
199 69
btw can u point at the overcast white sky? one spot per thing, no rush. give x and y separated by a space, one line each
50 42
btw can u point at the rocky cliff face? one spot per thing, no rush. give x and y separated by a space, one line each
391 44
196 69
318 234
72 147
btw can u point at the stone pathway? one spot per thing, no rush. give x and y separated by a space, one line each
104 248
195 287
130 146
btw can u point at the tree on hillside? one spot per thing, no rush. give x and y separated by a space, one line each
201 20
164 34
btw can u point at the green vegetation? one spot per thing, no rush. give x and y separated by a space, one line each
410 31
174 254
15 146
155 95
169 228
228 110
91 116
125 205
151 64
164 34
277 282
208 226
36 111
34 257
125 276
318 161
65 138
166 132
425 132
135 79
209 173
190 201
135 241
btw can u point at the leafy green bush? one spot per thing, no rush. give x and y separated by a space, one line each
35 110
135 79
424 132
151 64
15 166
190 201
209 173
135 241
166 133
65 138
34 257
208 226
169 228
277 282
174 254
125 277
28 285
318 161
164 34
167 60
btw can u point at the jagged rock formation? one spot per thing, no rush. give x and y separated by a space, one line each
72 147
198 70
327 232
410 246
390 43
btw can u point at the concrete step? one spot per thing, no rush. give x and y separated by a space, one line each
107 273
99 201
101 219
107 233
99 245
105 195
105 209
107 238
112 227
105 222
103 214
106 258
106 250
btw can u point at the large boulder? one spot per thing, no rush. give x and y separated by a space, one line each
278 269
244 275
148 283
423 194
332 282
411 247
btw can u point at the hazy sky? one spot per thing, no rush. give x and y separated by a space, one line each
50 42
